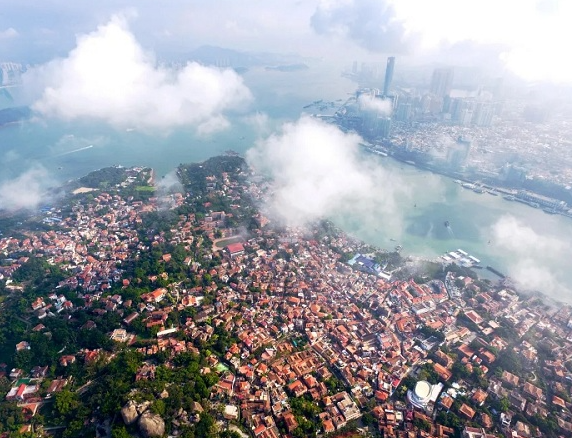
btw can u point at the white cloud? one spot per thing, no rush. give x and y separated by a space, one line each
11 156
316 173
537 262
169 183
527 37
260 122
8 33
166 186
372 24
108 76
376 104
531 36
26 191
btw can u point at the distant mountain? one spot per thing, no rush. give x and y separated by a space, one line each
222 57
16 114
289 67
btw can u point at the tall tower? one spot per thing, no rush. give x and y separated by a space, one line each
442 81
458 153
388 75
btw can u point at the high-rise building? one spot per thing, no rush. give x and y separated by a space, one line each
354 68
461 110
483 114
403 112
458 153
388 75
375 126
442 81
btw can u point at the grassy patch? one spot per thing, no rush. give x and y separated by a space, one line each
145 188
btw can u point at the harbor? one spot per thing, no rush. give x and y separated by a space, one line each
461 258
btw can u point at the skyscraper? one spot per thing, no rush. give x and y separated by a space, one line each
442 81
458 153
388 75
483 114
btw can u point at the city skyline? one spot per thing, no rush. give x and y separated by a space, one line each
412 29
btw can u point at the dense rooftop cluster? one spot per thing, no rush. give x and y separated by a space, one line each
162 311
541 149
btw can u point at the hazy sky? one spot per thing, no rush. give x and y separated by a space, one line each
526 36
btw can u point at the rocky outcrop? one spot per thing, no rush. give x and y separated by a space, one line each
129 413
181 418
142 407
151 425
132 410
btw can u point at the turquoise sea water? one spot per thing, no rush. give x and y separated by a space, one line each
533 244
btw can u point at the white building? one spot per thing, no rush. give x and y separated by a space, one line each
423 394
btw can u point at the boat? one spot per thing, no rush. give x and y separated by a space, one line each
549 211
479 190
509 197
398 248
446 223
490 192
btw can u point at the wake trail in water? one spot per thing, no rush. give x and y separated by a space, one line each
430 230
74 151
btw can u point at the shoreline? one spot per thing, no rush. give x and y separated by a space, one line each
489 187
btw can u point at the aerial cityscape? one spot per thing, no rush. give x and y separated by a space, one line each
335 218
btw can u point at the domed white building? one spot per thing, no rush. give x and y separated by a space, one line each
423 394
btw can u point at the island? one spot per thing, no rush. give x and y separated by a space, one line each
129 310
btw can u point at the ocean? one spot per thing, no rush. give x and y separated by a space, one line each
518 240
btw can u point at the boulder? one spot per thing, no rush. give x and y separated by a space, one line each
142 407
197 407
151 425
129 412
